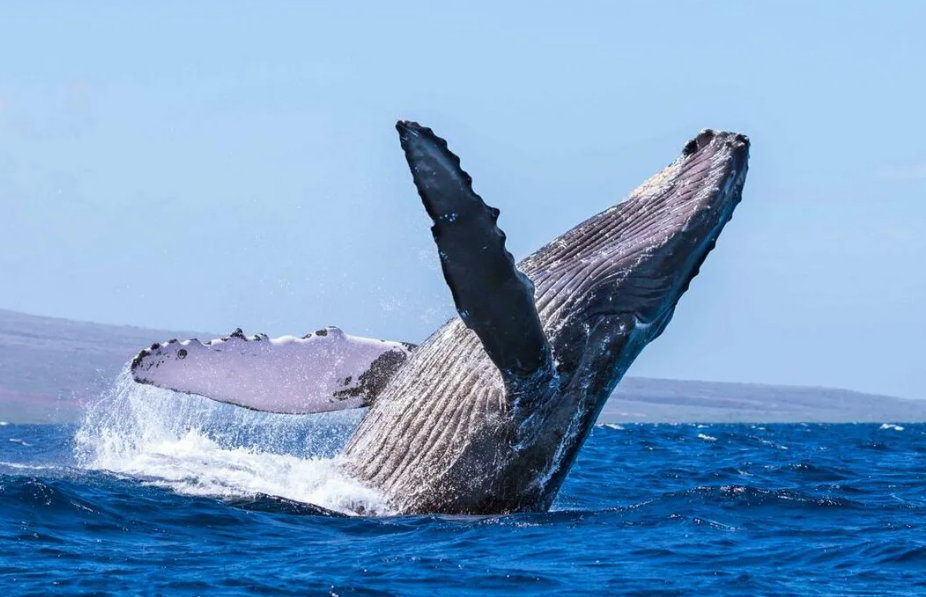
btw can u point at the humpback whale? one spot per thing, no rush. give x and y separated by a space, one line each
488 414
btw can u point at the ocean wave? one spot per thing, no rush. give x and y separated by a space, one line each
746 496
188 511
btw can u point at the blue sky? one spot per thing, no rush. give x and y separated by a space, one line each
235 164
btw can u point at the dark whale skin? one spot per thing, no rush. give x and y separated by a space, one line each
451 433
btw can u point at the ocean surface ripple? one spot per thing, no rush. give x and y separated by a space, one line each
147 502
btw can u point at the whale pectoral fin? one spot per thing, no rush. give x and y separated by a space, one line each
493 298
324 371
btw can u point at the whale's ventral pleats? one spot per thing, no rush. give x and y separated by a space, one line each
451 432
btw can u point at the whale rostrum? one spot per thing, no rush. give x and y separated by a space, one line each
489 413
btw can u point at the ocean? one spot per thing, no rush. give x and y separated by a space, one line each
161 494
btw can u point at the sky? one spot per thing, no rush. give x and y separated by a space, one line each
217 165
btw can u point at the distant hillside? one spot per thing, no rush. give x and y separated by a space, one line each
49 368
664 400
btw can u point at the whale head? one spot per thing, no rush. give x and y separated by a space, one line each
609 286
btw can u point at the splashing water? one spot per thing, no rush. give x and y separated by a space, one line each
646 510
195 446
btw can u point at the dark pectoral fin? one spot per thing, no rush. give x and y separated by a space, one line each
494 299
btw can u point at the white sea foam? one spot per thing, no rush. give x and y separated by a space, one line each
194 446
26 467
891 426
766 442
707 438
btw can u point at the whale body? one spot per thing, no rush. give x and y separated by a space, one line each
488 414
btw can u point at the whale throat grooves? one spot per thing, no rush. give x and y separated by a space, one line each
449 432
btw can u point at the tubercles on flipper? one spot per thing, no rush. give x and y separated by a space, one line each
492 297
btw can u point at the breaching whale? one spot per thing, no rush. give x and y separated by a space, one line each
489 413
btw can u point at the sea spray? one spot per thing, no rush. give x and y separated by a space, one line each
641 512
196 446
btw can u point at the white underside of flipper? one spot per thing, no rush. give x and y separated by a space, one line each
324 371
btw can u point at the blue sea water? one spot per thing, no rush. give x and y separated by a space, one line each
156 496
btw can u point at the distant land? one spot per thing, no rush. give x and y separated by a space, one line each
50 368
